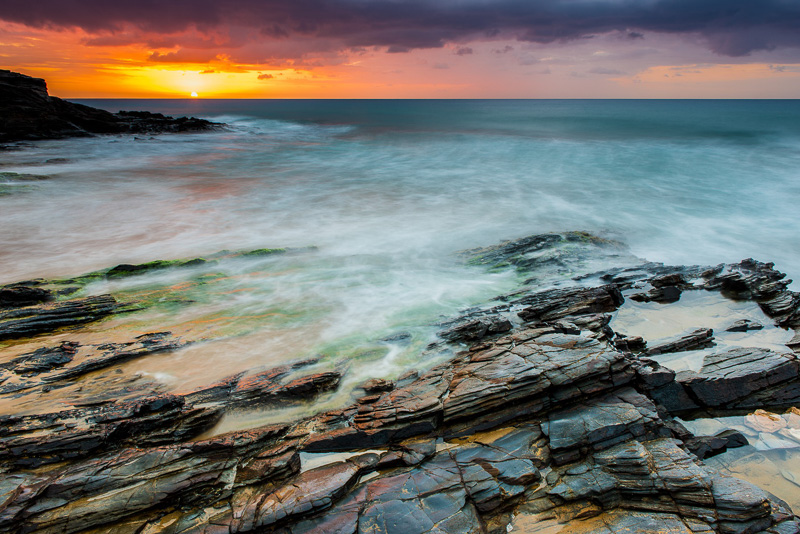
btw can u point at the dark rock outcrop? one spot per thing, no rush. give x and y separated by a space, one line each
27 112
558 425
696 339
53 366
32 320
735 379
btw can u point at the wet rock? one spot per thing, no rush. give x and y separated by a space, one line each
610 522
754 280
32 320
499 385
697 339
744 325
476 329
58 365
22 294
548 253
377 385
549 424
273 386
764 421
310 492
708 446
740 504
559 303
100 491
735 379
42 360
267 387
401 338
125 269
600 424
794 343
656 477
745 378
658 294
596 322
665 288
414 453
33 440
630 343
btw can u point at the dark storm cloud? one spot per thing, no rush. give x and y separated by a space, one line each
731 27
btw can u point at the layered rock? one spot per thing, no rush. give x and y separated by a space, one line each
30 320
547 422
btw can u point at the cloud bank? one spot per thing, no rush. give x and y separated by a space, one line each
728 27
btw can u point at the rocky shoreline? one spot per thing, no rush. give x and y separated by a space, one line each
546 420
28 112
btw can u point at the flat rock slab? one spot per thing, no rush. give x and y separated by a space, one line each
600 424
32 320
697 339
745 378
559 303
54 366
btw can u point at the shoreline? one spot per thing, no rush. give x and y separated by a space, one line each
541 402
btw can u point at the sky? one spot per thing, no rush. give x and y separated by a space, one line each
406 48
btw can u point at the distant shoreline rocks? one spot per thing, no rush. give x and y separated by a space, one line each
28 112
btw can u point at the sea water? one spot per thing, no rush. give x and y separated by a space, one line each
387 191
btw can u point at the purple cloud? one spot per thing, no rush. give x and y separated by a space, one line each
730 27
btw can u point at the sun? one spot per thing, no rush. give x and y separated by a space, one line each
194 94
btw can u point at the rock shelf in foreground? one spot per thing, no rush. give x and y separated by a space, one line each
541 423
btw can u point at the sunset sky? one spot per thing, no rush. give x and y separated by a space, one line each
406 48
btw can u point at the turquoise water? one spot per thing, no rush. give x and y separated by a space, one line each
387 190
680 181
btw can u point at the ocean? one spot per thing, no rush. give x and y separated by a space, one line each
386 191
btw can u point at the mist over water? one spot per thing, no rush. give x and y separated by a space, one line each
387 191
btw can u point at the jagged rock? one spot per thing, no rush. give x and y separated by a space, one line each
794 343
377 385
666 288
33 440
42 360
559 303
596 322
28 112
630 343
708 446
476 329
536 251
57 365
600 424
268 387
32 320
547 424
22 294
100 491
658 294
274 385
80 432
655 479
744 325
745 378
734 379
697 339
531 378
760 282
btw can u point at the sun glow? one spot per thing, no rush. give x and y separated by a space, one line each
194 94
